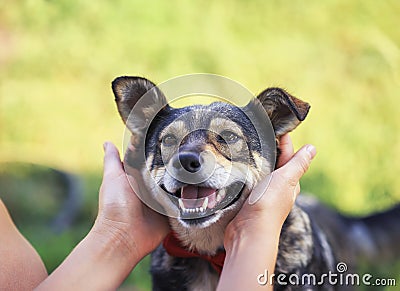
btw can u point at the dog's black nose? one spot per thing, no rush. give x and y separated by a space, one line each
190 161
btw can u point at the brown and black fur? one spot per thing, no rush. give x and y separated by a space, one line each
313 238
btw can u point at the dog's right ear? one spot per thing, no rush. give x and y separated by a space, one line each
128 91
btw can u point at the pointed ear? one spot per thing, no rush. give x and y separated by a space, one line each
284 110
128 93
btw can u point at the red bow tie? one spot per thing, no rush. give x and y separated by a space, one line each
174 248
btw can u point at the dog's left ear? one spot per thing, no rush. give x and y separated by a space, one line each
284 110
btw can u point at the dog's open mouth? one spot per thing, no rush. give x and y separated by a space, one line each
196 201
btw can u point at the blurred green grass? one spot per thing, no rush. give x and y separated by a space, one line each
57 59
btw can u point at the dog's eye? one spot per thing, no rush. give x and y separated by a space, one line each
227 137
169 140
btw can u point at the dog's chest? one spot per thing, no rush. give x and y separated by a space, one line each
205 279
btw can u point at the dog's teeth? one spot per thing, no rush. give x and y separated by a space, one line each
220 196
205 203
200 209
181 205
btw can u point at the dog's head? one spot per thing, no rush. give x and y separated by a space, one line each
206 157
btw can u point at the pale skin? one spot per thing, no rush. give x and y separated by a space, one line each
125 231
252 237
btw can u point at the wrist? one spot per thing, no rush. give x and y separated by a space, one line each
110 257
249 253
243 232
115 239
101 261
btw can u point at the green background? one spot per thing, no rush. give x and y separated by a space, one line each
57 59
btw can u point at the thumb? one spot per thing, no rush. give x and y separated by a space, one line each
296 167
112 161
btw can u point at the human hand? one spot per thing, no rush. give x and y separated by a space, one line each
124 232
268 214
123 220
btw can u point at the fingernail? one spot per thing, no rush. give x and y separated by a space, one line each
260 189
311 150
105 146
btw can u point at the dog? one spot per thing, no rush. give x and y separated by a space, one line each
314 238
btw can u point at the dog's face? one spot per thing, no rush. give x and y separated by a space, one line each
201 161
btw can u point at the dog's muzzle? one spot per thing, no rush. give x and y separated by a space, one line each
193 183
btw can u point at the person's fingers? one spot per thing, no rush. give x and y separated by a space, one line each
287 151
294 169
290 173
296 191
112 161
115 186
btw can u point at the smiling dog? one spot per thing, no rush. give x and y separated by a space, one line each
181 143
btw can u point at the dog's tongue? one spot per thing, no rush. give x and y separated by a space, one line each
191 192
195 192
